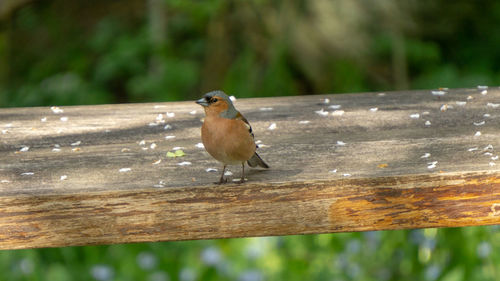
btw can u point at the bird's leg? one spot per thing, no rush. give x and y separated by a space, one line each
221 181
242 180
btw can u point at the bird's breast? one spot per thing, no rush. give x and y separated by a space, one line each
227 140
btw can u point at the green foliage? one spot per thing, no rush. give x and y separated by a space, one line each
429 254
254 48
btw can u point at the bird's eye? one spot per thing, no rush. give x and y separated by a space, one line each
214 100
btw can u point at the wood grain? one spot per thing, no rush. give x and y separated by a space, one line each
357 171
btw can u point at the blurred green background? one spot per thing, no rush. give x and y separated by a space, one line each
57 52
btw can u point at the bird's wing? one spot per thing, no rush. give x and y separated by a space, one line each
242 118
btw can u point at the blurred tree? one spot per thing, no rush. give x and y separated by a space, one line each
171 49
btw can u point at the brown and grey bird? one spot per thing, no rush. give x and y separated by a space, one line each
227 135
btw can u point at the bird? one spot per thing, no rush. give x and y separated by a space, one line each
227 135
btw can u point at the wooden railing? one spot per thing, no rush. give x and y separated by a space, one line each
88 175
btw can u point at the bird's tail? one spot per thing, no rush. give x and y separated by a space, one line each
257 161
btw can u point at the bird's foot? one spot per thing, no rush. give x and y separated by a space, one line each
221 181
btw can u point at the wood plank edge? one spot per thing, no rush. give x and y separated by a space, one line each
253 209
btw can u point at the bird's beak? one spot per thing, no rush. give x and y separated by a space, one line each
202 102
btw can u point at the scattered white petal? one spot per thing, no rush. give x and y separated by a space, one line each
473 149
461 103
477 134
479 123
167 127
211 170
492 164
153 145
76 143
444 107
432 165
153 124
272 126
438 93
157 162
381 94
426 113
493 105
488 147
228 173
159 117
304 122
426 155
265 108
232 98
335 106
4 132
124 170
170 114
346 175
144 148
488 154
469 98
8 125
24 149
142 142
486 115
27 174
125 149
64 118
341 143
169 137
178 147
4 181
494 158
185 163
415 116
260 144
374 109
159 106
56 110
333 171
56 149
326 101
199 145
192 112
484 92
322 112
63 177
338 113
160 184
427 123
481 87
44 119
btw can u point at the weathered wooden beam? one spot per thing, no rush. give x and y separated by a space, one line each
92 174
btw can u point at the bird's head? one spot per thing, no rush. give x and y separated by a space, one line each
217 102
